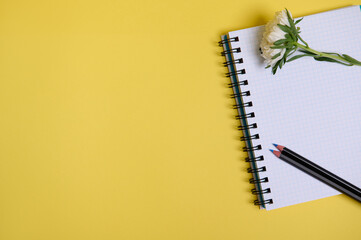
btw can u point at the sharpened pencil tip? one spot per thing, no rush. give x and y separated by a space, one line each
279 147
276 153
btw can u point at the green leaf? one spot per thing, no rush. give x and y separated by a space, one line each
278 47
288 37
303 41
282 61
292 27
332 53
294 35
351 59
305 51
290 21
285 28
299 20
268 66
293 50
279 42
286 54
299 56
274 69
276 56
326 59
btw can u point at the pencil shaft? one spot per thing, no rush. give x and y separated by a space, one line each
320 173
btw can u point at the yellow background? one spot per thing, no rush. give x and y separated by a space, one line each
115 123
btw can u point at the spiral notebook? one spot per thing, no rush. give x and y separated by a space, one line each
311 107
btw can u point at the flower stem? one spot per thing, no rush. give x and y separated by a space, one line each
339 59
321 54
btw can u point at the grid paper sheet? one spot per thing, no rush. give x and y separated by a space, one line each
311 107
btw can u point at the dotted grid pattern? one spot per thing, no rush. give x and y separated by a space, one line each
309 106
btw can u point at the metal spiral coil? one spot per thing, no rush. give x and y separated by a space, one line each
247 104
255 136
237 84
254 170
241 94
256 159
248 115
247 149
228 40
264 202
261 180
236 61
250 126
234 50
236 74
263 191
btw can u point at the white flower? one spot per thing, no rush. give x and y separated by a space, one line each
280 42
271 34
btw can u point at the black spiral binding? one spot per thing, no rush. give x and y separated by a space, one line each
243 117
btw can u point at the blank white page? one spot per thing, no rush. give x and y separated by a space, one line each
311 107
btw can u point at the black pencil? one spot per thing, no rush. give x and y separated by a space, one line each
317 172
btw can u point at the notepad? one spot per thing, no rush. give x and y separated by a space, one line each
310 106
